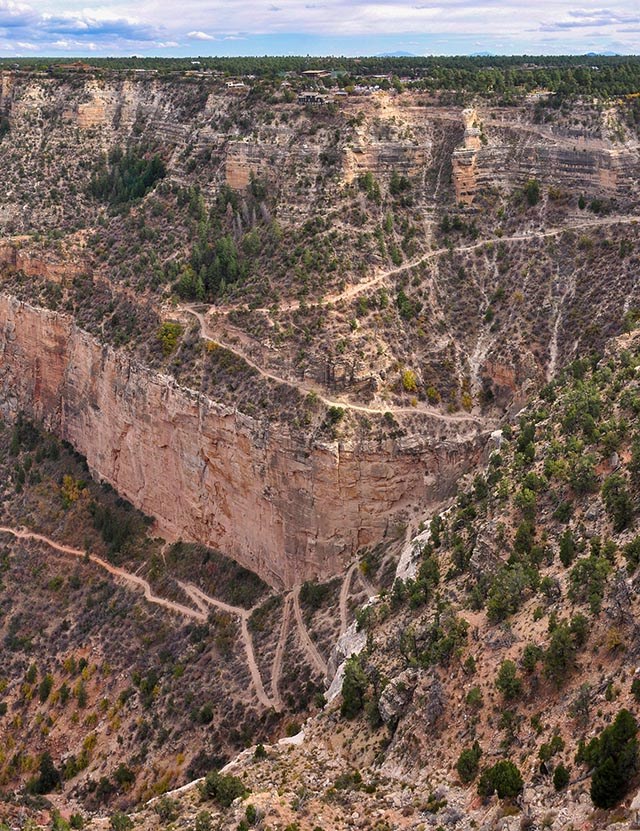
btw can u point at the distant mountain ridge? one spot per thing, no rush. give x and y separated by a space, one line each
398 54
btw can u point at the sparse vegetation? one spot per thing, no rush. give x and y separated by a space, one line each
336 330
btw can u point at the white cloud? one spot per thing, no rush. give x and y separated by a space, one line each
200 36
140 26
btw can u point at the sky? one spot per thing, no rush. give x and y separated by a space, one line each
316 27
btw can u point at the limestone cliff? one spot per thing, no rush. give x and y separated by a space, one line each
288 510
500 150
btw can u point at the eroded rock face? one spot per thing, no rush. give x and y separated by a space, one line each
500 150
397 695
417 725
287 509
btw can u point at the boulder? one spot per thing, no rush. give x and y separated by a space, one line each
397 695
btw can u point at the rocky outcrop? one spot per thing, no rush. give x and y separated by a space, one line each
287 508
487 556
417 725
56 270
500 151
383 157
397 695
464 160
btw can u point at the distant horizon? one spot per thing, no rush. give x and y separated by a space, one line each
320 56
358 28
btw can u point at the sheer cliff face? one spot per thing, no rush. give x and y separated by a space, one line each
288 511
208 138
501 149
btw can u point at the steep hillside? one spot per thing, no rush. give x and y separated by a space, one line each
262 357
323 286
135 664
513 636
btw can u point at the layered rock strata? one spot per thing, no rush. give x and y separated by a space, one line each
286 507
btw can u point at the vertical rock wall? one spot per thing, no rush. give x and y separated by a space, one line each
289 510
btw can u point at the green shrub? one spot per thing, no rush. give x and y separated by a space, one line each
49 777
507 681
123 776
549 749
409 381
617 501
468 763
168 335
474 698
335 414
120 822
560 777
313 595
167 809
532 192
503 778
203 821
531 654
587 581
631 552
354 688
507 591
559 658
567 548
613 756
582 474
224 789
564 511
421 589
45 687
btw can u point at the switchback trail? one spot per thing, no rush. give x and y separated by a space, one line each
357 288
203 602
308 387
311 649
127 577
200 599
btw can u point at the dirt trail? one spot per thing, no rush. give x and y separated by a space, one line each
263 698
352 291
344 598
201 599
127 577
201 605
311 649
357 288
308 387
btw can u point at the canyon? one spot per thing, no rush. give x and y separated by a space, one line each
316 413
285 503
287 510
